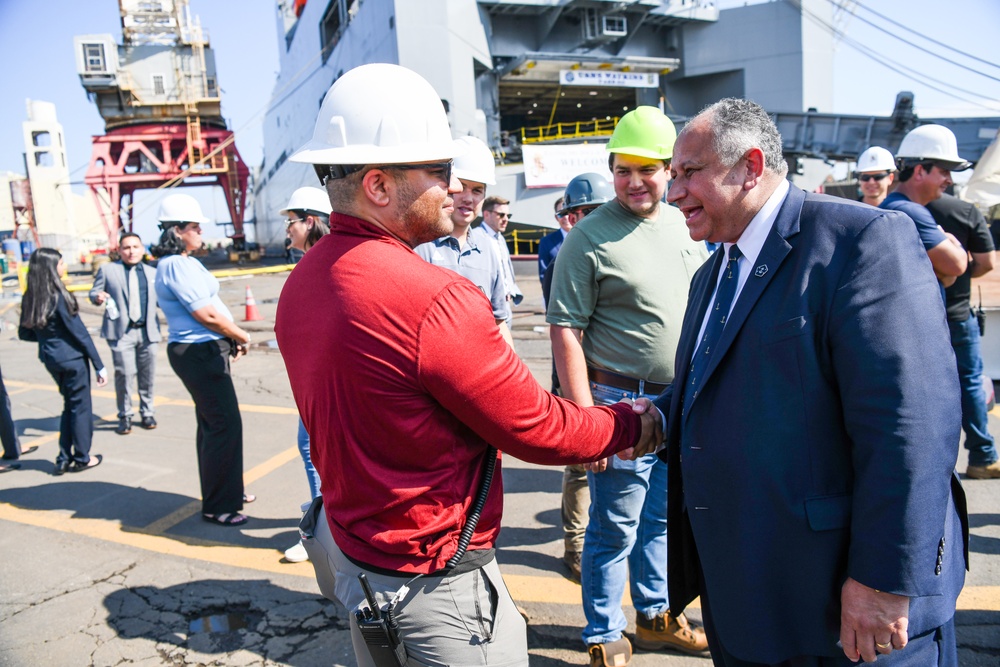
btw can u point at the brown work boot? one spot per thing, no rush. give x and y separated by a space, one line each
613 654
572 560
665 631
992 471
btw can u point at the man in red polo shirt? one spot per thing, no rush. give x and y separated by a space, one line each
404 383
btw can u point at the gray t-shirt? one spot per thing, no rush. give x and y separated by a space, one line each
478 264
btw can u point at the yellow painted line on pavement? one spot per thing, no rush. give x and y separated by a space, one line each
9 306
164 524
264 560
551 589
221 273
250 476
157 400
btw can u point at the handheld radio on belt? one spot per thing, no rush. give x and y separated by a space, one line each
378 624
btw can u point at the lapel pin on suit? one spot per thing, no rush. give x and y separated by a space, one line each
760 270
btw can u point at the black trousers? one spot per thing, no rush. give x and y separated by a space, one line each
76 427
204 370
8 433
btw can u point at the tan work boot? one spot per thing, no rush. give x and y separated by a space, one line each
613 654
992 471
573 560
665 631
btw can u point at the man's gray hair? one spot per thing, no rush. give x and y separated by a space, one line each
737 125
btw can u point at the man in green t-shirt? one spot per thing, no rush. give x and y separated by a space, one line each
618 297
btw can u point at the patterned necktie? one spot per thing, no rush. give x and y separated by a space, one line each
713 328
134 300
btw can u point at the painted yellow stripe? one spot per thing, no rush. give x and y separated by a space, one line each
550 589
9 306
250 476
221 273
158 400
264 560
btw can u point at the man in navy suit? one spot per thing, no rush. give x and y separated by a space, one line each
549 246
813 422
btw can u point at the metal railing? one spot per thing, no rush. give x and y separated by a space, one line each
578 130
525 241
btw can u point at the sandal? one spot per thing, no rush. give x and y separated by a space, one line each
249 498
7 467
226 518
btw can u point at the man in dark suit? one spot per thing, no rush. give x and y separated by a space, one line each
131 327
549 246
813 421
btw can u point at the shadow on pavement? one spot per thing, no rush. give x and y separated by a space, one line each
976 632
136 508
46 424
216 617
979 543
528 480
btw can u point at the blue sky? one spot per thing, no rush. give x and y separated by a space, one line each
36 44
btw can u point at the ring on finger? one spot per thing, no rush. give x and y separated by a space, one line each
883 646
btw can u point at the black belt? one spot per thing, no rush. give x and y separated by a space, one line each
624 382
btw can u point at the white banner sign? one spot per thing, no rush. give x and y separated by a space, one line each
601 77
555 165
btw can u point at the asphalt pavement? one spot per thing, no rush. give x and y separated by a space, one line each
114 566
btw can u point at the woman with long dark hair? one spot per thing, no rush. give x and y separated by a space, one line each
50 317
201 339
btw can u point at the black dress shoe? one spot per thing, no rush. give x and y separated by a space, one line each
61 468
94 461
124 426
148 423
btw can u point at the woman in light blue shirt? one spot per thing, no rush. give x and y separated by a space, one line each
202 337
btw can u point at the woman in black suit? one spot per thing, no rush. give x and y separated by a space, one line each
50 316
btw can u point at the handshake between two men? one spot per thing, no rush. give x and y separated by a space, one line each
650 438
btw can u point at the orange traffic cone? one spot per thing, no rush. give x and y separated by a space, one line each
253 315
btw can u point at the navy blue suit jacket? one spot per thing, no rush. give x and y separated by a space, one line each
548 248
823 440
63 338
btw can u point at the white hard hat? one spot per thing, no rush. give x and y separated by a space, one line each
876 158
379 114
932 142
180 209
476 163
310 200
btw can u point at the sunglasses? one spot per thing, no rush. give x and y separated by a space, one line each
872 177
501 215
335 171
290 221
441 168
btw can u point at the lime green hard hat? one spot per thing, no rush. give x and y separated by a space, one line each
645 131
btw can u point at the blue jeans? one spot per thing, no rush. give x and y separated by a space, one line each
311 473
975 422
626 538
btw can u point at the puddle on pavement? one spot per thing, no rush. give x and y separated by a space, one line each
217 623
